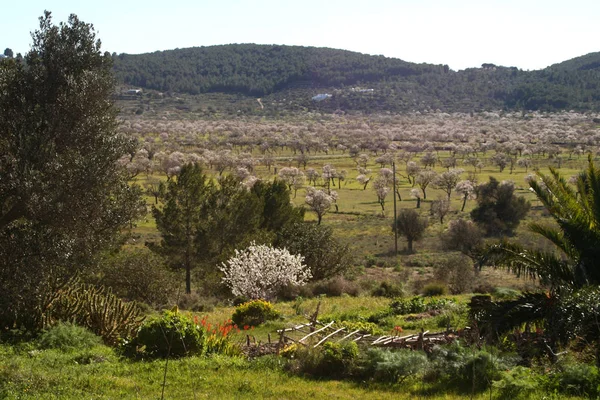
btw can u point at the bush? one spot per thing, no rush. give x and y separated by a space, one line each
576 379
66 336
260 271
518 383
394 366
335 287
467 369
331 360
434 289
254 313
139 275
388 289
457 272
171 335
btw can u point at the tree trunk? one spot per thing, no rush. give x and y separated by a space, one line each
410 246
464 203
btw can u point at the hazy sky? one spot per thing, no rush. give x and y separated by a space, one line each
529 34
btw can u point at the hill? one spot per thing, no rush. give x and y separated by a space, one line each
295 74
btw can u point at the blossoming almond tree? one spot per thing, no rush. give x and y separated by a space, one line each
260 271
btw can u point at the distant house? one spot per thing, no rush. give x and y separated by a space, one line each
321 97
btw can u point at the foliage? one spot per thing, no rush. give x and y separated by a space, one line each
202 223
323 254
576 379
468 369
97 309
319 201
66 336
389 289
517 383
434 289
170 335
568 311
63 198
464 236
410 225
260 271
457 272
498 210
330 360
138 275
391 366
254 313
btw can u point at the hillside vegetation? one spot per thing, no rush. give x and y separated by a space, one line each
297 73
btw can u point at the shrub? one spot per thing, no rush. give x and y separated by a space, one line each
139 275
388 289
66 336
171 335
434 289
394 366
254 313
335 287
331 360
467 369
576 379
457 272
518 383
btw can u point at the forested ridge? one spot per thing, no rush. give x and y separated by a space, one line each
262 70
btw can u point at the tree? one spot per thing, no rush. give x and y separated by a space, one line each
464 236
323 254
410 225
319 201
447 180
467 190
498 210
63 198
424 179
440 208
180 220
260 271
8 52
381 189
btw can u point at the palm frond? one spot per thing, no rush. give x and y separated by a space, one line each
545 266
557 237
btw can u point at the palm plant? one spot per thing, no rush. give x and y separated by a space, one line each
572 270
577 234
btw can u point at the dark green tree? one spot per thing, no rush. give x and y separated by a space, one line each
323 254
8 52
203 223
183 220
499 211
62 196
410 225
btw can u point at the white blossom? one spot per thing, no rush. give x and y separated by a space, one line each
259 271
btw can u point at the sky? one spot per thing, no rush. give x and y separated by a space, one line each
528 34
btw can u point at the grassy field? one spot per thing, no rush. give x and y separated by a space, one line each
29 372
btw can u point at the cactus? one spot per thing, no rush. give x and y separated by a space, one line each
97 309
